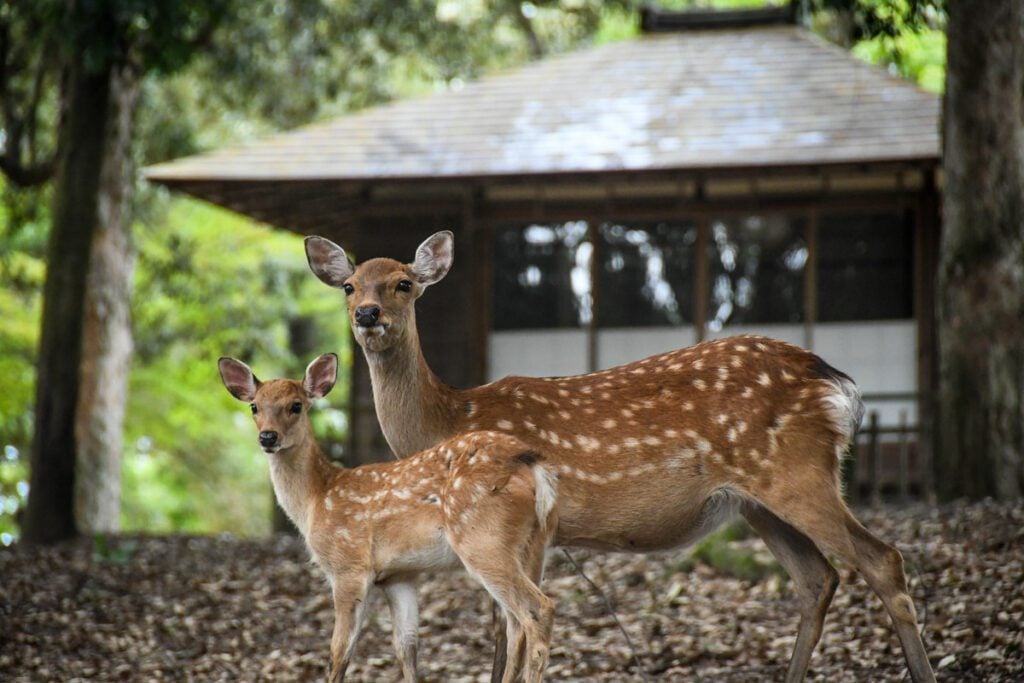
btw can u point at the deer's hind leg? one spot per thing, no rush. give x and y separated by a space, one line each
820 514
815 579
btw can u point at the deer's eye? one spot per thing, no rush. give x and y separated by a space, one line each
404 286
348 288
252 406
296 408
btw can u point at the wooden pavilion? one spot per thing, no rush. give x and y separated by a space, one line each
719 174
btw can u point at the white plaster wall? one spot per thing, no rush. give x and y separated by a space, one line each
537 353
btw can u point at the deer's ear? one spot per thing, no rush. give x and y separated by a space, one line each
328 261
321 375
238 378
434 258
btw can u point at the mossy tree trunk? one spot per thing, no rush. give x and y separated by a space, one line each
981 305
50 514
107 341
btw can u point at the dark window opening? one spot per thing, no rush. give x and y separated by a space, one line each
756 270
646 274
865 266
542 276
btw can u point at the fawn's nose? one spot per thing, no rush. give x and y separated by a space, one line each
268 439
367 316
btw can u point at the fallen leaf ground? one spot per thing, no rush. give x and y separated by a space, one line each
224 609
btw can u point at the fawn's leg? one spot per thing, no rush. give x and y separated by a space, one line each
499 628
349 607
402 603
815 580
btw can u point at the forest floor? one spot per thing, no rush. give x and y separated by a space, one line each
227 609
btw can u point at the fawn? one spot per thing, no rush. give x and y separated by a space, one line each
483 499
652 454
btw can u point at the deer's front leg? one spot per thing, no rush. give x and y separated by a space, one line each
349 607
404 624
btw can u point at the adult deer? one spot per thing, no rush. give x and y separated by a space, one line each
482 498
656 453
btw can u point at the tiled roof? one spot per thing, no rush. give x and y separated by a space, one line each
763 96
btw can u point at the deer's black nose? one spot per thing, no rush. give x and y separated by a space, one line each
367 316
268 439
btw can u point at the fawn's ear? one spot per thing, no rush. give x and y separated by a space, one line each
321 375
238 378
434 258
328 261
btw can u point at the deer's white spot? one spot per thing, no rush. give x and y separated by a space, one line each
748 392
722 419
626 412
700 384
764 380
504 424
327 502
608 423
652 441
670 433
698 364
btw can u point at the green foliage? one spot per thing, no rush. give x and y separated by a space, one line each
907 36
917 56
211 283
724 551
106 550
21 278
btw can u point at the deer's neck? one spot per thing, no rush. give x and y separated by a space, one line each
300 475
416 410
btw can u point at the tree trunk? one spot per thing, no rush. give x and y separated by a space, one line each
50 515
107 340
981 306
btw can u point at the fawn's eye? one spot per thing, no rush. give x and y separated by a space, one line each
296 408
252 406
404 286
348 288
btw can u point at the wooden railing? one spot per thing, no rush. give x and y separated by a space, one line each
886 458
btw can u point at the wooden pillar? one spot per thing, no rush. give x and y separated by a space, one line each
701 272
927 230
811 278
